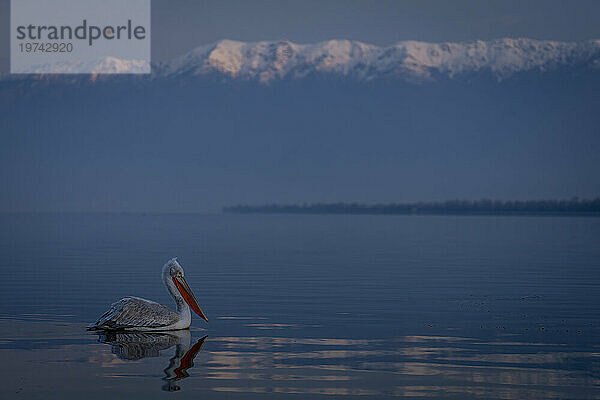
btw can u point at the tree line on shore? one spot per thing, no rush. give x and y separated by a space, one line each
483 206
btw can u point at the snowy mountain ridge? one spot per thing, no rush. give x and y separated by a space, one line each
411 60
101 65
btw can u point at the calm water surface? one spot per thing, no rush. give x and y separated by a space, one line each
305 307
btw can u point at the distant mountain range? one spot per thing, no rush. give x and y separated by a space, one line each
106 65
411 61
253 123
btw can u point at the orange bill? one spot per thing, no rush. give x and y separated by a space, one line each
188 296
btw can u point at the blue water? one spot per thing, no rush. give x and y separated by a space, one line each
306 306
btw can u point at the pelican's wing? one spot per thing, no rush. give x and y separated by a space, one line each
133 312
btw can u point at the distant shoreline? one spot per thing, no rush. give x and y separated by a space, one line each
574 207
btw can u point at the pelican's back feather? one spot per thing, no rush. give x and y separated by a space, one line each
134 313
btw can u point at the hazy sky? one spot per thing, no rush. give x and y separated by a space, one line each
180 25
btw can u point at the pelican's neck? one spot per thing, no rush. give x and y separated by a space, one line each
182 308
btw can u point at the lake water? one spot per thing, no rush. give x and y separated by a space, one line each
304 307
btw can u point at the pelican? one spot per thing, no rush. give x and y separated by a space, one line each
136 314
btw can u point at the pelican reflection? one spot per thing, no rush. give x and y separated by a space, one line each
132 346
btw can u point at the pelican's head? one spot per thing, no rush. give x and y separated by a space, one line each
172 268
173 272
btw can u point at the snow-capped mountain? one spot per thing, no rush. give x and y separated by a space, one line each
268 122
103 65
409 60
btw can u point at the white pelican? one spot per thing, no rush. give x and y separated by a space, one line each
135 314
